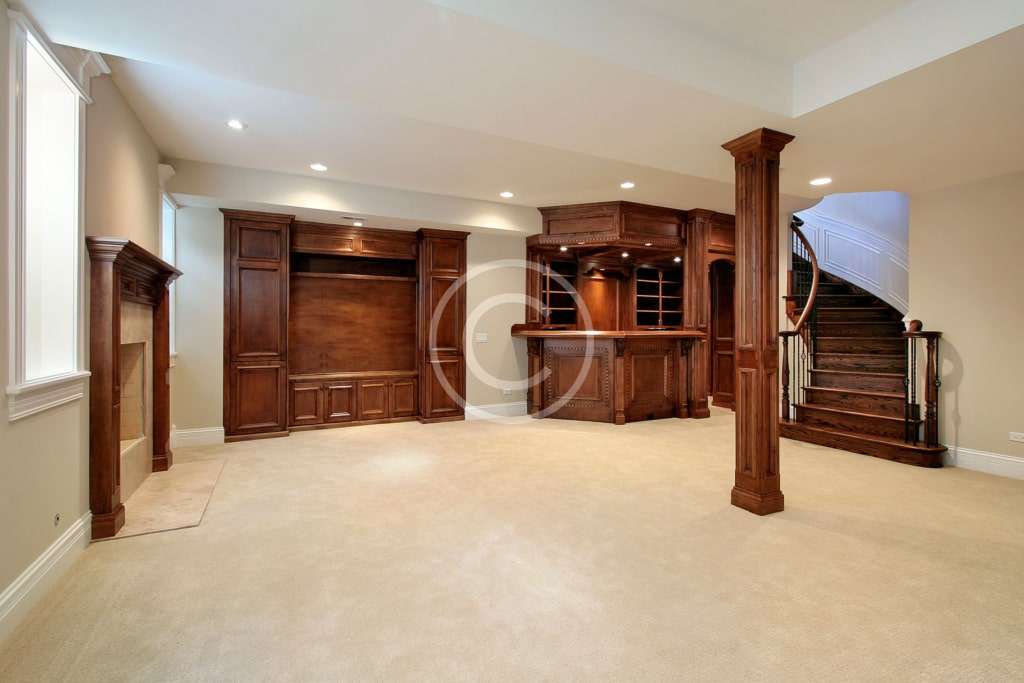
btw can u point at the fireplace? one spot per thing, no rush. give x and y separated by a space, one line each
133 394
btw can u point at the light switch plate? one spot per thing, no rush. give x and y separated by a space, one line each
1017 436
480 337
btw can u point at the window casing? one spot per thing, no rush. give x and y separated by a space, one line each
169 253
47 113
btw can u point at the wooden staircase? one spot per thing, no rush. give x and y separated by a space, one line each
852 360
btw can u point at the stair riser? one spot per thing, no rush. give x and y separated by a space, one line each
851 423
869 329
792 430
865 382
858 345
825 361
858 315
880 405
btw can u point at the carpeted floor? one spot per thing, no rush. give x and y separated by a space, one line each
547 551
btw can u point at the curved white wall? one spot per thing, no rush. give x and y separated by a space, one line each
863 238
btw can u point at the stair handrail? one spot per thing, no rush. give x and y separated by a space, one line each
815 274
803 338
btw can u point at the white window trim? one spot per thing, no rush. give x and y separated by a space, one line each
28 397
166 197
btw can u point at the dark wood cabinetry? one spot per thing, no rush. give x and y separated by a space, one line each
329 325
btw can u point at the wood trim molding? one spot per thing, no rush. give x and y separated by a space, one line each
31 586
35 397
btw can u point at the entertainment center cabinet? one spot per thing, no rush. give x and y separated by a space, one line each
330 325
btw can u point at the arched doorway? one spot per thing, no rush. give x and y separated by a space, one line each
722 364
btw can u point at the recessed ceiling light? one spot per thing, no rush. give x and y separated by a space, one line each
358 224
628 185
625 254
318 167
677 259
563 249
236 124
508 195
821 181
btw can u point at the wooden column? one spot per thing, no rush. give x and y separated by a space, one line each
162 456
620 382
534 395
696 308
756 155
105 395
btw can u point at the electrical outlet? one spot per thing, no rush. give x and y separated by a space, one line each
480 337
506 392
1017 436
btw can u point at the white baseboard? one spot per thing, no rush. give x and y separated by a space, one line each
982 461
22 595
204 436
496 410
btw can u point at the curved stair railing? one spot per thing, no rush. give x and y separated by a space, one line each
805 278
863 406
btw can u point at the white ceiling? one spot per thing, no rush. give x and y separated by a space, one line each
783 30
558 102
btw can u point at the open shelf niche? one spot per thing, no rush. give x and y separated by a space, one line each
659 293
559 303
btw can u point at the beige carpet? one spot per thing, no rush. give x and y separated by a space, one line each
175 499
548 551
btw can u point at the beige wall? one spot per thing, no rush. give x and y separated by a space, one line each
965 281
122 186
44 457
197 390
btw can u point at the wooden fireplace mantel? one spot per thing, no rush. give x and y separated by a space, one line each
120 271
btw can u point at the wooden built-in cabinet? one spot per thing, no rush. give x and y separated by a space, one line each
330 325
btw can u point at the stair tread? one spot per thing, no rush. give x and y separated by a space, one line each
859 372
859 392
868 437
856 413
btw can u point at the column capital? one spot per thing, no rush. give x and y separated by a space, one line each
762 140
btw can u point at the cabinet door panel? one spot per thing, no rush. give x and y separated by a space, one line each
442 379
260 407
258 312
445 323
307 405
373 399
259 242
341 401
403 397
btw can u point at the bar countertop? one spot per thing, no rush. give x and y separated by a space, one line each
610 334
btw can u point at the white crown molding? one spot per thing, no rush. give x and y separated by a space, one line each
998 464
166 172
33 583
91 66
203 436
35 397
495 411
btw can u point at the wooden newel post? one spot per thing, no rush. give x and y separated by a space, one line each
756 154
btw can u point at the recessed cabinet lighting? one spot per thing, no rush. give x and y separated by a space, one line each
647 244
507 195
358 224
628 185
817 182
625 254
236 124
563 249
318 167
678 259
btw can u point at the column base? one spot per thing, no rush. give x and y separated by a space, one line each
107 524
699 408
758 503
162 463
